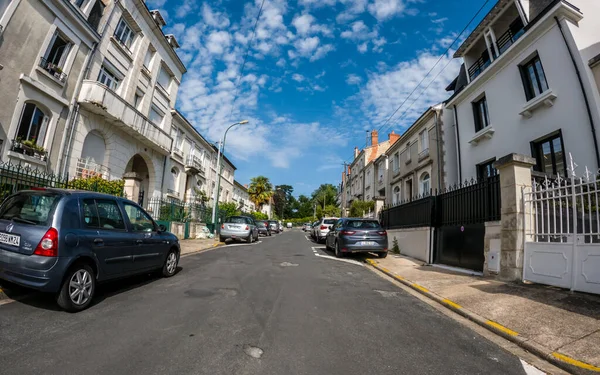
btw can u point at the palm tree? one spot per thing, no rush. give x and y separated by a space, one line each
260 191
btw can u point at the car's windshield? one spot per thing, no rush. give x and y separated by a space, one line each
363 224
29 207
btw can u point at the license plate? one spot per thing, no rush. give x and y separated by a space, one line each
367 243
234 227
10 239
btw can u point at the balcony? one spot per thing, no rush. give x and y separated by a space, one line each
98 98
87 168
53 69
193 165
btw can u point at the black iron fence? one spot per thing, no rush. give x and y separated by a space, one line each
468 203
178 211
15 177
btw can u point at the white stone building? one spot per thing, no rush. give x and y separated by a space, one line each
123 122
44 50
528 85
242 198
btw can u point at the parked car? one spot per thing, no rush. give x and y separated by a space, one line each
289 225
65 242
263 228
357 235
274 226
306 227
239 228
322 228
312 229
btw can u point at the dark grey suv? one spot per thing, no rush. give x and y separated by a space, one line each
351 235
65 241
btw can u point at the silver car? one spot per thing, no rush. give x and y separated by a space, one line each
239 228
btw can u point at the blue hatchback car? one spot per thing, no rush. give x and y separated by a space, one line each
65 241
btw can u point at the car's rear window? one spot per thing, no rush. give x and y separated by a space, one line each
236 220
29 208
329 221
363 224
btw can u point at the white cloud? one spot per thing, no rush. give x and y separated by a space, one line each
322 51
214 19
353 79
305 25
386 9
281 62
321 75
363 47
218 41
317 3
359 32
185 8
297 77
156 3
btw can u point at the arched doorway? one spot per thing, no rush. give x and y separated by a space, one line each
137 170
93 153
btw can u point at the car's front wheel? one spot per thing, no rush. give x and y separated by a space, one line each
170 265
77 289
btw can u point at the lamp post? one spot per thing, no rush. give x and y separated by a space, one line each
219 167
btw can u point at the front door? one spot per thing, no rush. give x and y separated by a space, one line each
106 234
149 251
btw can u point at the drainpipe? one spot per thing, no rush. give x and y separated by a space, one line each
74 112
457 145
162 181
438 145
585 98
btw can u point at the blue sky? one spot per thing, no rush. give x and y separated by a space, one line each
319 73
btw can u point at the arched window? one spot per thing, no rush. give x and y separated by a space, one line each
396 198
175 179
32 125
424 184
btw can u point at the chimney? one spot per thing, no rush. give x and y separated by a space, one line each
158 18
246 186
172 41
356 152
374 138
393 137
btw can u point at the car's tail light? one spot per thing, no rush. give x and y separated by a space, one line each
222 226
324 227
48 246
347 232
39 188
247 227
382 233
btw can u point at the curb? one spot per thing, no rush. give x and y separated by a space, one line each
218 244
559 360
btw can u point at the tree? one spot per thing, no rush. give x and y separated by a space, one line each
359 208
305 207
229 208
282 197
325 193
330 210
200 196
260 191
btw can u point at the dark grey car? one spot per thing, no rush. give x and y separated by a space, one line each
65 241
351 235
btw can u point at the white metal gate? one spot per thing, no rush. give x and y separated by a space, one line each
562 231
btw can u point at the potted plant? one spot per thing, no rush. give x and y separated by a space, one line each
17 145
29 146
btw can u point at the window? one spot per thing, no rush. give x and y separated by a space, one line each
140 221
109 215
480 114
90 214
149 57
124 34
137 99
424 140
409 190
534 79
156 116
549 154
54 59
107 78
3 5
175 179
79 3
486 170
396 162
424 184
96 14
396 195
35 207
33 120
164 78
408 152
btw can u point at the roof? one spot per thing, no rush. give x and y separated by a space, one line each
224 157
177 113
238 184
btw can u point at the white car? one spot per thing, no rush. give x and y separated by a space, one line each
289 225
322 228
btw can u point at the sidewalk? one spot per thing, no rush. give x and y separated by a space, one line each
561 326
194 246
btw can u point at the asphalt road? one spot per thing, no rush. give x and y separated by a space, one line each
269 308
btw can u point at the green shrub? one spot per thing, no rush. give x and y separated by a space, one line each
395 247
98 184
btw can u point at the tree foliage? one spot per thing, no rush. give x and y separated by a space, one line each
325 193
260 191
100 185
359 208
229 209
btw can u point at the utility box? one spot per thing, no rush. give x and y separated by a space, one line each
493 260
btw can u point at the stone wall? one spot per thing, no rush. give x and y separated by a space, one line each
413 242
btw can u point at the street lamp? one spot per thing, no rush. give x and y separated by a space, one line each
219 167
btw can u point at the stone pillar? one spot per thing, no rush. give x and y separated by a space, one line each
133 184
515 175
379 203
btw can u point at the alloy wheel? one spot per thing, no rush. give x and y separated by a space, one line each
171 262
80 287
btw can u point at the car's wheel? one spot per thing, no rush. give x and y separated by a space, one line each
250 238
327 245
77 289
170 265
383 254
221 239
338 252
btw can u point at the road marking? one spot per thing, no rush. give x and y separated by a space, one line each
529 369
243 244
575 362
502 328
422 289
351 261
453 304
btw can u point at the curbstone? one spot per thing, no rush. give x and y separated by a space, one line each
559 360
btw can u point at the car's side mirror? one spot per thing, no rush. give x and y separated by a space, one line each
162 228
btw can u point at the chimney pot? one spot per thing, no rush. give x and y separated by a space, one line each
393 137
374 137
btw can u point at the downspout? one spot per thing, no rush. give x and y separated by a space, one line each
457 144
438 145
74 115
585 98
162 181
